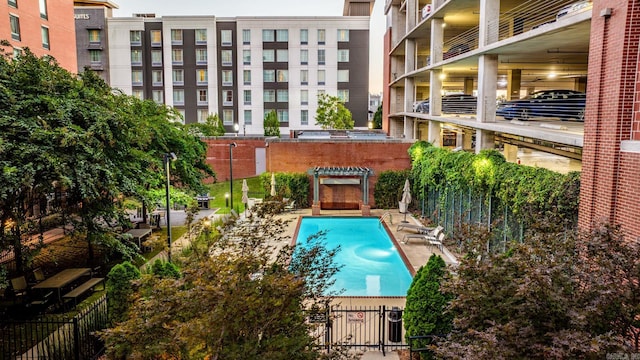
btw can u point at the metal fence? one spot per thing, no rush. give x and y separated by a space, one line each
360 328
56 338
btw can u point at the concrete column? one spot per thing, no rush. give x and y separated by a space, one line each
437 38
399 19
460 139
487 87
409 83
489 22
412 14
407 132
467 143
468 86
580 84
409 94
485 139
511 153
434 136
514 78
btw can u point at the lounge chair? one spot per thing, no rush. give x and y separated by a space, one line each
419 229
291 206
433 235
437 242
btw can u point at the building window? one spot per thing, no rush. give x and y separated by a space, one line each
304 97
268 55
227 97
45 37
136 57
227 117
282 75
321 77
321 36
343 95
226 37
201 56
176 36
178 77
304 56
246 57
203 114
95 56
304 77
156 38
203 97
247 117
135 37
94 36
227 77
268 35
182 114
304 117
178 96
343 75
343 55
321 57
246 77
226 57
282 96
269 96
246 36
15 27
201 36
268 76
320 92
13 3
156 58
43 9
304 36
176 57
283 115
282 35
138 94
343 34
247 97
282 55
158 96
136 77
156 77
202 77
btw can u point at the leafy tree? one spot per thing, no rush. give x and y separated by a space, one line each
271 124
425 312
559 294
377 118
119 288
165 269
211 127
332 114
216 310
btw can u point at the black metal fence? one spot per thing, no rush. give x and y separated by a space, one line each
56 337
361 328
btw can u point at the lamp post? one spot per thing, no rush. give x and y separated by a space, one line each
167 158
231 146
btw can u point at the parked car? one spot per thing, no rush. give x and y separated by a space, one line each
574 8
453 104
563 104
455 50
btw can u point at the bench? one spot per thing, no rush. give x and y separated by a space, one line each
82 289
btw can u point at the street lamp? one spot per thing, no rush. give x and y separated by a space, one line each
231 146
167 158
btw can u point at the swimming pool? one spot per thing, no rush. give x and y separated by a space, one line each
372 264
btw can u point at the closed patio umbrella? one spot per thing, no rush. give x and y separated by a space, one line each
273 184
406 199
245 194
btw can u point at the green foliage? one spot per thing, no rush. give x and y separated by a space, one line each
388 190
165 269
294 186
332 114
426 309
377 118
271 124
119 288
211 127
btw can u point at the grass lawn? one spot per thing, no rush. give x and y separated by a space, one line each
218 191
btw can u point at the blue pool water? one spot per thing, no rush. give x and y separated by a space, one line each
372 265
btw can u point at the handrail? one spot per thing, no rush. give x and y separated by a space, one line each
385 215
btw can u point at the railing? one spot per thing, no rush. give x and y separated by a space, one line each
386 215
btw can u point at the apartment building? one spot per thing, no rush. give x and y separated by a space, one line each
92 49
241 68
46 28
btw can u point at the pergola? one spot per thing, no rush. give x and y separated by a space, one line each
342 171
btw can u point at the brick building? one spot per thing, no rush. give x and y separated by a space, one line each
46 29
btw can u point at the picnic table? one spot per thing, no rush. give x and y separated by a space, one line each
138 235
62 279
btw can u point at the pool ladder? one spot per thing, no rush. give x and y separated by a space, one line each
384 216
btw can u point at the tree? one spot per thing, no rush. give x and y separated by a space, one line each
425 312
211 127
377 118
332 114
216 310
559 294
271 124
119 288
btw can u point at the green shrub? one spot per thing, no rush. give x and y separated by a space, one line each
119 288
294 186
165 269
388 190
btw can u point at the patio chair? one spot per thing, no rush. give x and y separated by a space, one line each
19 286
38 275
291 207
420 229
433 235
437 242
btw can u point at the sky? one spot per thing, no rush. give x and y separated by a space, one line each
231 8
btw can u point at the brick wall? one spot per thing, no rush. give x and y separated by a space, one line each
610 177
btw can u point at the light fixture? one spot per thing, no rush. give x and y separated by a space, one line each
442 76
236 127
168 157
552 75
444 24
